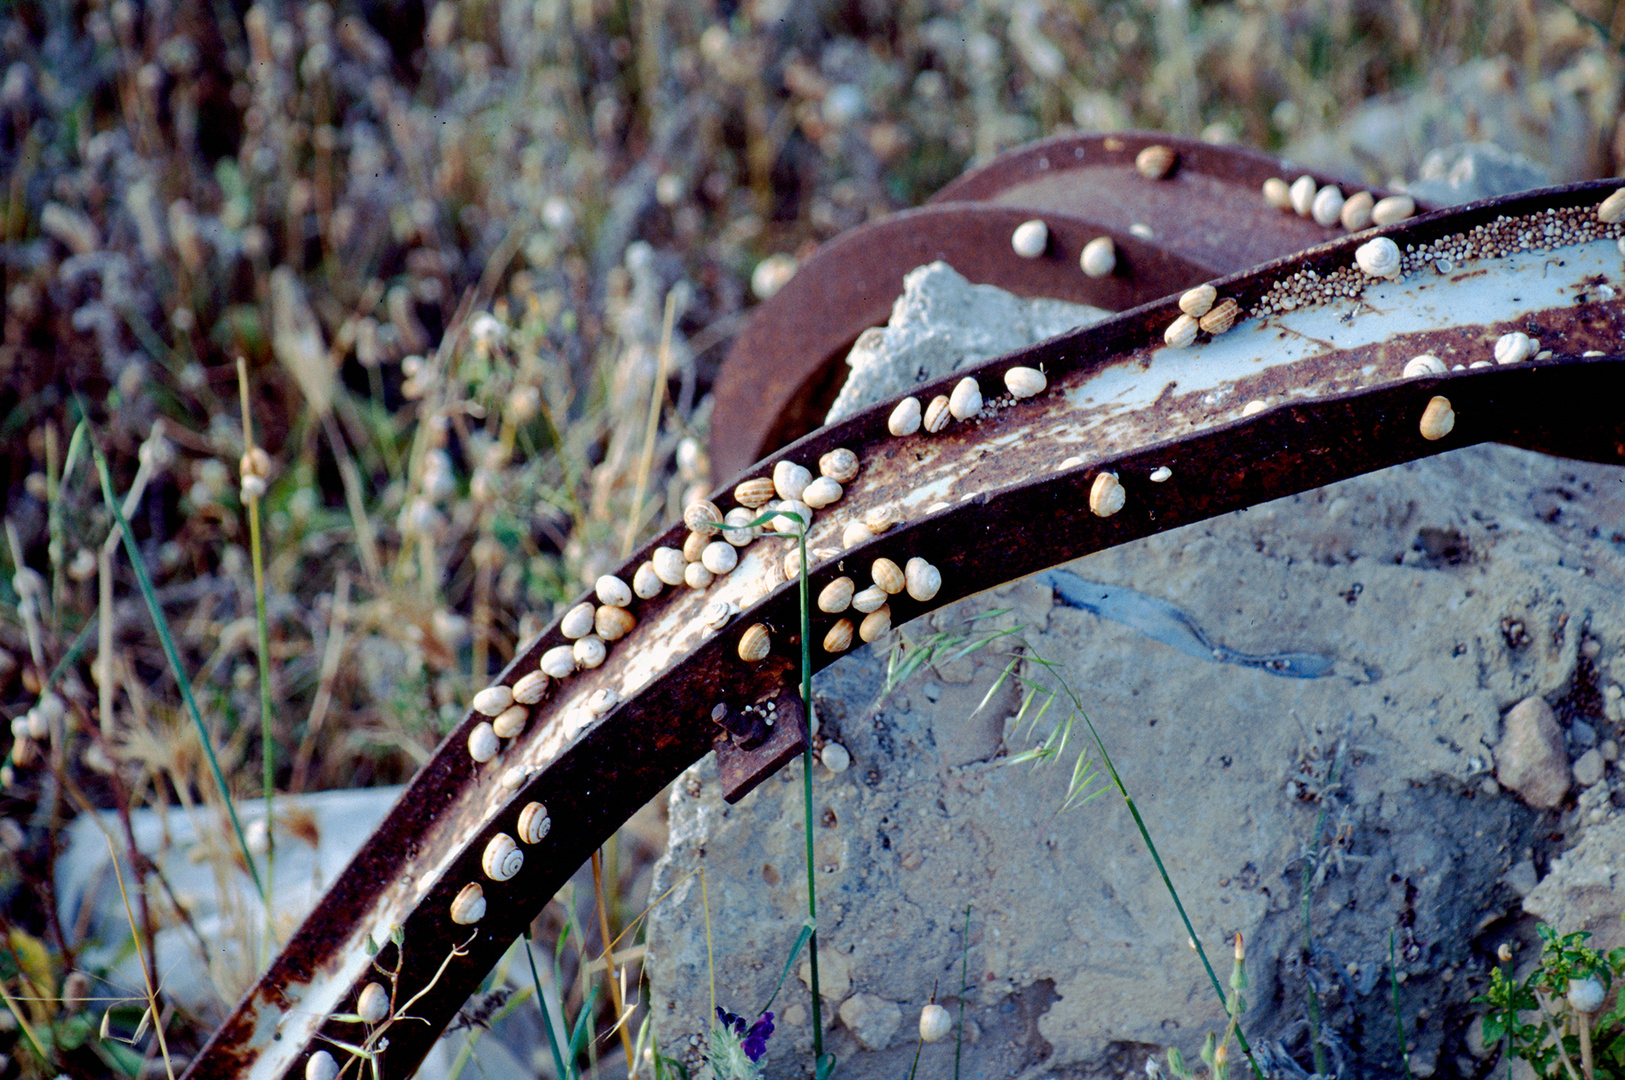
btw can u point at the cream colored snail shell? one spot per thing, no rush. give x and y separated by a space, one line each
510 721
905 417
646 584
1277 193
1612 209
468 907
1029 239
794 516
1356 213
1327 208
1106 495
871 599
839 638
703 517
531 688
822 492
1099 257
1221 318
792 563
1425 364
1155 162
923 579
693 544
603 702
483 744
1378 257
840 465
889 576
1196 302
372 1005
717 613
754 643
719 557
502 858
589 651
1392 210
834 757
493 699
1438 419
612 591
855 533
534 823
737 527
1181 332
613 623
935 1023
876 624
966 399
669 565
1025 382
321 1066
882 517
558 661
757 491
515 777
1511 348
697 576
836 597
937 414
1302 195
577 622
790 479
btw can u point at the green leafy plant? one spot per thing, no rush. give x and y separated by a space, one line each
1553 1019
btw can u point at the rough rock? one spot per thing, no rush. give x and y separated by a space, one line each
1588 768
871 1020
1582 891
1530 759
1446 591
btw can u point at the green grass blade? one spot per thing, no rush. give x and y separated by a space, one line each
547 1018
795 951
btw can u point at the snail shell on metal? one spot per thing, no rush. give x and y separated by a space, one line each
1378 257
1029 239
693 544
589 652
510 721
493 699
821 493
1511 348
905 417
757 491
871 599
603 702
937 414
966 399
515 777
613 591
646 584
1106 495
577 622
502 858
840 465
790 479
839 638
531 688
737 527
882 517
1099 257
373 1003
1161 474
1425 364
1438 419
792 563
1025 382
558 661
836 597
889 576
717 613
534 823
1254 407
719 557
1302 195
468 907
696 576
668 563
483 744
923 579
614 623
1356 213
703 517
1221 318
1277 193
1181 332
1327 208
834 757
321 1066
876 624
1392 210
1612 209
1196 302
754 643
1155 162
855 533
790 525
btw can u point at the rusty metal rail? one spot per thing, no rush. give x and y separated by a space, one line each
1306 388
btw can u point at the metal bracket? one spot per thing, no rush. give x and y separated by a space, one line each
758 741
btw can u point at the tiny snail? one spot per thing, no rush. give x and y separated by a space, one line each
737 528
1612 209
614 623
822 492
1277 193
1106 495
1254 407
754 644
889 576
502 858
603 702
966 399
468 907
876 624
938 413
646 584
717 613
855 533
321 1066
668 565
757 491
693 544
373 1003
834 757
589 651
871 599
1425 364
1161 474
510 721
836 597
1099 257
923 579
1221 318
514 777
577 622
1301 195
558 661
719 557
1155 162
935 1023
790 479
493 699
1378 257
1356 213
703 517
1392 210
534 823
1438 419
794 516
697 575
1327 209
483 744
1029 239
1511 348
1196 302
839 638
905 418
840 465
531 688
882 517
612 591
1180 333
1025 382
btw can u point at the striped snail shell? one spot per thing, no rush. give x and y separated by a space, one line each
468 907
502 858
534 823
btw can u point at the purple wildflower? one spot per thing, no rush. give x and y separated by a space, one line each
753 1040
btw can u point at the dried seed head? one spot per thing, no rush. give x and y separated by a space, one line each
1378 257
1099 257
1356 213
510 721
738 529
1302 195
703 517
1025 382
923 579
1438 419
1425 364
871 599
754 643
493 699
757 491
373 1003
1515 347
468 907
790 479
1029 239
889 576
646 584
668 565
696 576
1196 302
531 688
1156 162
966 399
1392 210
1277 193
937 414
834 757
534 823
840 465
589 652
502 858
882 517
1327 208
876 624
1106 495
559 661
839 638
1221 318
855 533
719 557
613 591
905 418
1181 332
577 622
614 623
821 493
483 744
836 597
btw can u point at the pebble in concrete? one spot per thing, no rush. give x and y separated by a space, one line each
1530 758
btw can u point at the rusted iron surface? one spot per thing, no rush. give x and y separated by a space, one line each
1207 219
991 498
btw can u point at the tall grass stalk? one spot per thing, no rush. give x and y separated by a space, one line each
251 503
146 973
1305 883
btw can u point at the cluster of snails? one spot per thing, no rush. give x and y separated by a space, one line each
963 403
1327 205
501 860
1201 309
1513 347
919 579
